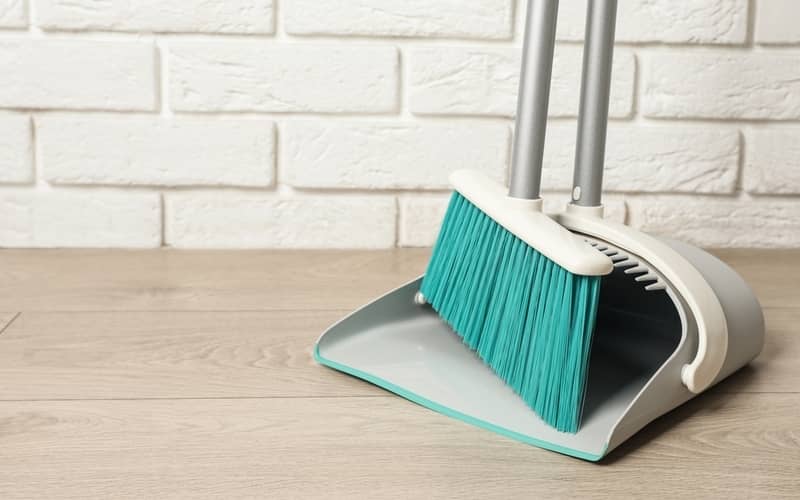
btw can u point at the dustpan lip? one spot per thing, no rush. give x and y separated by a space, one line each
444 410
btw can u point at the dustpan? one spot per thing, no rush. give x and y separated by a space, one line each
673 320
643 341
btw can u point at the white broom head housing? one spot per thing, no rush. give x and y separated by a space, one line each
525 220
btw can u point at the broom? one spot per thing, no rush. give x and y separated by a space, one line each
520 289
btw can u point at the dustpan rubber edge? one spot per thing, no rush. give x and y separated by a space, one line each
415 398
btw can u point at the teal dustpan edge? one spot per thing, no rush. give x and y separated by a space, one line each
453 413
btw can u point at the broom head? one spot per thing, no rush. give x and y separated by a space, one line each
521 291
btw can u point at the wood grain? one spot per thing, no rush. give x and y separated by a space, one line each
733 446
170 280
773 274
5 320
183 354
777 369
169 355
173 374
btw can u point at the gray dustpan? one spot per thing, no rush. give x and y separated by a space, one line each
643 340
672 321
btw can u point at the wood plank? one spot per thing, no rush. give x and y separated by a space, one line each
719 446
169 355
777 368
171 280
5 320
243 354
166 280
773 274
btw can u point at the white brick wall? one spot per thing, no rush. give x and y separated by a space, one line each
149 151
387 155
480 81
79 219
334 123
666 21
256 76
776 22
720 222
13 14
652 158
482 19
215 220
62 73
160 16
773 161
16 150
722 86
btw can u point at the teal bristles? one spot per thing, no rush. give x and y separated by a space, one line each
528 318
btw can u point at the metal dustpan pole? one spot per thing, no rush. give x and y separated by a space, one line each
598 59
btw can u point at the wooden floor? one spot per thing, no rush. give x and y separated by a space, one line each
188 375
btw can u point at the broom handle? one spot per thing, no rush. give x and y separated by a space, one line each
534 99
598 57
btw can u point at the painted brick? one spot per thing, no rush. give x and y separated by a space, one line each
484 81
73 74
772 164
13 14
652 159
153 151
490 19
443 105
421 219
249 220
85 219
16 150
381 155
182 16
715 222
667 21
421 215
722 86
257 76
776 22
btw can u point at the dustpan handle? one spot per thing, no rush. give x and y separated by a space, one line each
598 58
534 99
582 214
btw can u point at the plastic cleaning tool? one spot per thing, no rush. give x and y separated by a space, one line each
637 325
520 289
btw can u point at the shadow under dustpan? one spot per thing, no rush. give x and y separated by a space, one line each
644 336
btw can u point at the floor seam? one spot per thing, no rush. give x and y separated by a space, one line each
256 398
217 311
221 398
182 311
10 322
